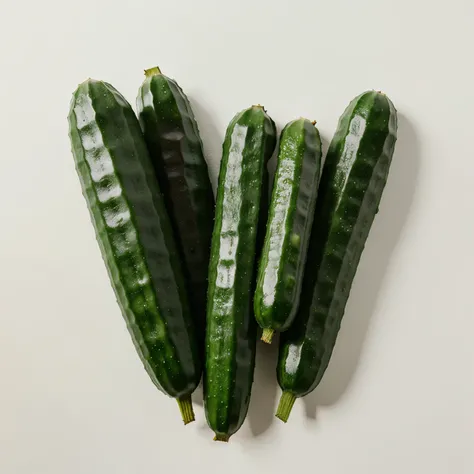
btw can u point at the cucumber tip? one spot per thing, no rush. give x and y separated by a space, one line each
267 335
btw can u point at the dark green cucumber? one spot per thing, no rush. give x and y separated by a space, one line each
172 136
231 329
292 205
352 182
135 237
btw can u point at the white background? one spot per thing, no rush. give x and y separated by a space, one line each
398 394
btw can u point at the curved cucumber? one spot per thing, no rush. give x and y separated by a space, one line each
172 137
231 329
292 205
353 178
135 237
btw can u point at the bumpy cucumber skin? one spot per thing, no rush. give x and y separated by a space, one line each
134 234
172 137
352 182
231 329
289 226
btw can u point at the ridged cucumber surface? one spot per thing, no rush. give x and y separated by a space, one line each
353 178
231 328
172 137
135 237
289 226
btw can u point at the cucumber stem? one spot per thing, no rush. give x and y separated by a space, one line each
267 335
286 404
222 437
186 408
154 71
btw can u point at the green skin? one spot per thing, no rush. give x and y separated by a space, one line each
352 182
231 329
134 234
172 137
292 206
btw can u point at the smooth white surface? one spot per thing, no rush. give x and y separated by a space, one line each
399 393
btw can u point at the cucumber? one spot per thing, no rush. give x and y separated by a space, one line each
352 182
292 205
135 237
175 147
231 328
